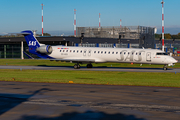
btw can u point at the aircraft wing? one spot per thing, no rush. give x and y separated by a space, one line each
73 60
76 60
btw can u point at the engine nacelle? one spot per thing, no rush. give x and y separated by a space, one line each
46 49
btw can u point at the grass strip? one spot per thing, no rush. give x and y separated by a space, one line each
92 77
30 62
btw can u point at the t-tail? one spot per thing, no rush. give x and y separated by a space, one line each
41 50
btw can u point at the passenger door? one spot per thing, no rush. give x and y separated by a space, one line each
148 57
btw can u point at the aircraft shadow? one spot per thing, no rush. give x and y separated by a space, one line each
138 68
9 101
88 115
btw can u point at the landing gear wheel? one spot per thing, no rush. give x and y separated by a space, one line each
76 66
165 67
89 65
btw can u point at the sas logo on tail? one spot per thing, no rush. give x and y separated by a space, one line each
32 43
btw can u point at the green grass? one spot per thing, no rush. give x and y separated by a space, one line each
30 62
88 77
92 77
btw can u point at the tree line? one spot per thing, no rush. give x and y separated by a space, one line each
167 36
19 35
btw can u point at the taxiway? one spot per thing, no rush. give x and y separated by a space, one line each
127 69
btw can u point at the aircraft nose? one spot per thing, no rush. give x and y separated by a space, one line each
171 60
174 60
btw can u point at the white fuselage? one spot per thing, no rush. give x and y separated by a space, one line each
89 54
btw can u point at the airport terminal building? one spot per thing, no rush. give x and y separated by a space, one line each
124 37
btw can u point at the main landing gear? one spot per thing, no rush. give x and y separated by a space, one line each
165 67
77 66
89 65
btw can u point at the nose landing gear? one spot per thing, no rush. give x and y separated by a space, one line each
165 67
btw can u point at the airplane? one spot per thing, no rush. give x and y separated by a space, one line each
89 55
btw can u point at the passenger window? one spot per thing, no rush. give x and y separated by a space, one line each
105 52
116 52
81 51
101 52
120 52
109 52
112 52
124 52
94 51
74 51
77 51
63 50
60 50
70 50
139 53
66 50
98 52
128 53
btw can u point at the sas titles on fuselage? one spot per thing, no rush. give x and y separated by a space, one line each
130 56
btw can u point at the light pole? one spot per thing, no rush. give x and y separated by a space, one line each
74 22
162 25
42 17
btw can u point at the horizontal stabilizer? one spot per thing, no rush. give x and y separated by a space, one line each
25 33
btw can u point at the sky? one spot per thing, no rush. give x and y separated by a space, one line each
19 15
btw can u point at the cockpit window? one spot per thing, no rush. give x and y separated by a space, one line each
161 54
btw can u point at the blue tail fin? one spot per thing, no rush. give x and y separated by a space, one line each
33 44
30 39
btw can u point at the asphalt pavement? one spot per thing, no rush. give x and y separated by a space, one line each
50 101
103 68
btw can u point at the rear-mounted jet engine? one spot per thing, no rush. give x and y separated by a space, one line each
45 49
